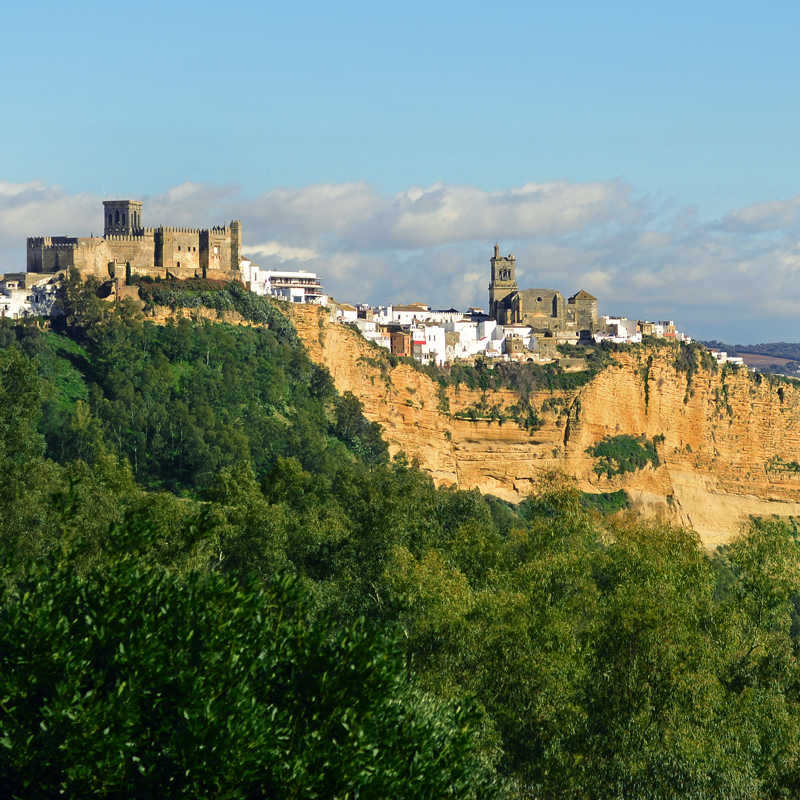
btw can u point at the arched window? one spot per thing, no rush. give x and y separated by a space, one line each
110 219
116 216
123 219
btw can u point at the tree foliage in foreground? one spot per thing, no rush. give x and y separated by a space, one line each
134 682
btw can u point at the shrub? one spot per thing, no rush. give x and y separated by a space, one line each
606 502
624 453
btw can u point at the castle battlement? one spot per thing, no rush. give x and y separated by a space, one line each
56 245
171 229
52 241
135 237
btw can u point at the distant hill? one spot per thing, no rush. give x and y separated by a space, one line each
776 357
788 350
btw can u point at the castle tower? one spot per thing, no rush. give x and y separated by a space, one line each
236 244
122 217
503 280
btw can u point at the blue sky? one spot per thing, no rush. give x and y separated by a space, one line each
692 108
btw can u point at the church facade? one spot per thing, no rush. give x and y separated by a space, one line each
544 310
127 249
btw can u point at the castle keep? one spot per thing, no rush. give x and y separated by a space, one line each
544 310
128 249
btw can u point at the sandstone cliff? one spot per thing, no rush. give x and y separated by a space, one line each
728 437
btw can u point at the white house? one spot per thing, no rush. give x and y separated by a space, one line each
721 357
296 287
344 312
409 314
435 346
27 295
620 330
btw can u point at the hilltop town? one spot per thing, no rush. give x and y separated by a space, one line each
522 325
525 325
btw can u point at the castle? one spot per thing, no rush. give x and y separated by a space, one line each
544 310
128 249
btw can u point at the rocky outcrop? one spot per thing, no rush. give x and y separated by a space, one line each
729 437
160 315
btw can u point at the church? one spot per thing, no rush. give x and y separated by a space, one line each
544 310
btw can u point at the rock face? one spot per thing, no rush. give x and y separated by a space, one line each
729 437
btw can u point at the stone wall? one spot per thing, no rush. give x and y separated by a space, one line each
50 253
216 249
136 251
582 308
178 248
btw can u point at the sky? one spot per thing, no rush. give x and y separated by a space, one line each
644 152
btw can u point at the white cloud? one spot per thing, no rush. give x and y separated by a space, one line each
647 280
597 280
763 217
15 189
281 252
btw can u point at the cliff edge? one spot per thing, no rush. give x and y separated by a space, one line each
728 442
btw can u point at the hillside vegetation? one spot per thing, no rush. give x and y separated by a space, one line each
216 584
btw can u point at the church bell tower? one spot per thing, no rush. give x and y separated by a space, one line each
122 217
503 280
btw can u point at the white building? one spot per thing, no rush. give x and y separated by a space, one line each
620 330
295 287
344 312
435 346
27 295
721 357
366 325
408 314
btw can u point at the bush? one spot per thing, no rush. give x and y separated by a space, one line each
197 293
624 453
606 502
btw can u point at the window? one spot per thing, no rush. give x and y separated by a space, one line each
116 216
179 263
179 247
